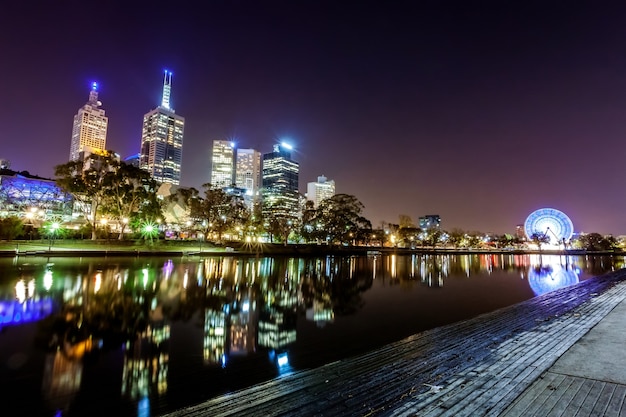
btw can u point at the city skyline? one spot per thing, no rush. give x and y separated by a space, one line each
480 112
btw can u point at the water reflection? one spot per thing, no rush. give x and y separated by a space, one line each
549 273
82 311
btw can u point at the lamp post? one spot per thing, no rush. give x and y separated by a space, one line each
51 234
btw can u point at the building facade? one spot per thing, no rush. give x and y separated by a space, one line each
320 190
280 183
162 139
430 221
89 130
223 164
32 197
248 170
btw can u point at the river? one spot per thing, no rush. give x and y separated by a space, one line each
143 336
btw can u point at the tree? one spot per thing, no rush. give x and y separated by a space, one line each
406 222
340 218
218 211
539 239
597 242
132 193
308 231
11 227
86 182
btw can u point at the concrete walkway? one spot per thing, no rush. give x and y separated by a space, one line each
588 380
561 354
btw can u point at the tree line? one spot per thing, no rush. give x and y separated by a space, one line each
105 188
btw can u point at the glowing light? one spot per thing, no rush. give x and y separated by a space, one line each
20 291
282 359
286 145
47 280
94 86
98 282
550 222
245 307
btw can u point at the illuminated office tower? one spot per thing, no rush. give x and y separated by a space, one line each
162 139
430 222
280 183
223 164
89 131
320 190
248 170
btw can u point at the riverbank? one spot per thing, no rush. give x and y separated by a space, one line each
129 248
195 248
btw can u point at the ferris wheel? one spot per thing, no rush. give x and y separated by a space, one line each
550 222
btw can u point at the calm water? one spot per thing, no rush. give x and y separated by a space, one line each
144 336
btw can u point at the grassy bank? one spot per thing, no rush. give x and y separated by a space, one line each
140 247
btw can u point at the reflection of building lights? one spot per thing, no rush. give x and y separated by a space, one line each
219 331
245 306
145 277
98 282
143 407
282 359
20 291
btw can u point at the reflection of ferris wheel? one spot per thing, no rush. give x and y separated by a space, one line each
550 222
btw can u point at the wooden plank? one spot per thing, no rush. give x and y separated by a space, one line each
617 400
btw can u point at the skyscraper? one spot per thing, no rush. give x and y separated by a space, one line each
223 164
162 139
320 190
89 131
280 182
248 170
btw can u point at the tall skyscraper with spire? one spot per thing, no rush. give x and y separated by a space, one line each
89 132
162 139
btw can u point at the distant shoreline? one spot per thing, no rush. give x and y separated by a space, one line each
125 248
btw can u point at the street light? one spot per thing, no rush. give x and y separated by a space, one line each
52 229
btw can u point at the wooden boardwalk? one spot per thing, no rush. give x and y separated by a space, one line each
477 367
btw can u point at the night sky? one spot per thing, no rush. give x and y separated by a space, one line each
478 111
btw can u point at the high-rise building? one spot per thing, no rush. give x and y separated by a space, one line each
280 182
223 164
430 221
248 170
162 139
320 190
5 164
89 131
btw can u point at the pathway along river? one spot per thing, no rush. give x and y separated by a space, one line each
145 336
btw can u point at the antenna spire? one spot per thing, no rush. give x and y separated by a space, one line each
167 86
93 93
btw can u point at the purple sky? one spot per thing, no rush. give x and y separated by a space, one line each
480 112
